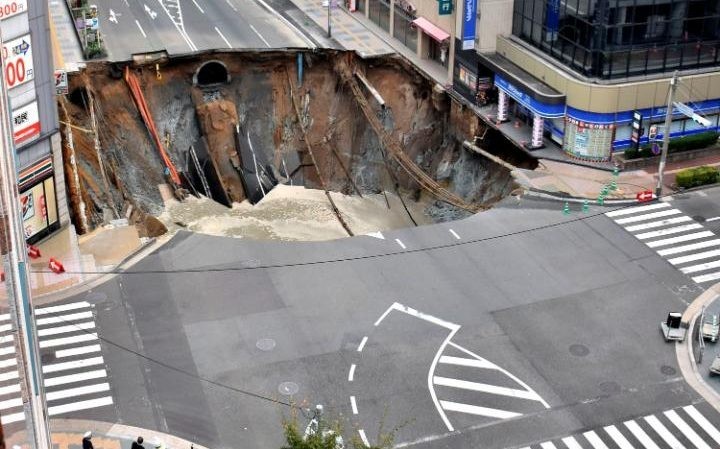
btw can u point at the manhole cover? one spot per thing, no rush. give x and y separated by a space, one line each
668 370
288 388
579 350
610 387
698 218
265 344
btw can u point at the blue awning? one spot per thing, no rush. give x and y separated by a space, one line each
537 107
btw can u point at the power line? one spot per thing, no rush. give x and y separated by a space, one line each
345 259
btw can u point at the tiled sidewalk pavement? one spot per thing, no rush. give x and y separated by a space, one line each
66 48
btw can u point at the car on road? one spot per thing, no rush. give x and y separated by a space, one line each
715 365
711 327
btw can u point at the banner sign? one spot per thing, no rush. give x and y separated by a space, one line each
542 109
468 24
9 8
25 123
18 61
61 82
552 15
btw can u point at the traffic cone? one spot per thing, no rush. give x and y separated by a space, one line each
566 209
613 185
601 200
33 251
586 206
56 266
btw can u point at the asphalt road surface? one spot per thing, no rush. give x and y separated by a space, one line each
181 27
518 327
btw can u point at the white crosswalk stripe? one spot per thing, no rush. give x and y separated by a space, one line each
679 428
73 366
682 241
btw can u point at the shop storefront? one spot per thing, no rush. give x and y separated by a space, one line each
379 12
36 184
525 105
434 41
403 29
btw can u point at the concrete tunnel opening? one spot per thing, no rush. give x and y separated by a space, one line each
211 73
372 144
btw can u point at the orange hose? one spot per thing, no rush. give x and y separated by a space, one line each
141 104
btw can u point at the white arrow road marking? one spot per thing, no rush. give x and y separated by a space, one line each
150 12
114 16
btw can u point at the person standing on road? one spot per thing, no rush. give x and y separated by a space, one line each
86 443
138 444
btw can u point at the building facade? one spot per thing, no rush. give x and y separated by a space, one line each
577 71
30 83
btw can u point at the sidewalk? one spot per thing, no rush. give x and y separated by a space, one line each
67 53
68 434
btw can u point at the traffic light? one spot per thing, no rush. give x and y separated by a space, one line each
652 134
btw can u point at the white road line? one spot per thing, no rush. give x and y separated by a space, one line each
594 440
353 404
668 231
703 422
70 378
640 435
462 361
62 308
618 437
260 36
454 234
682 238
4 317
64 318
362 344
402 245
363 437
713 219
8 376
658 224
70 392
431 372
5 327
141 29
15 417
706 277
502 370
663 432
694 257
417 314
67 340
198 6
485 388
223 38
548 445
65 329
7 339
55 367
476 410
7 350
351 374
632 210
686 430
11 403
231 5
691 247
571 443
77 351
81 405
8 362
645 217
10 389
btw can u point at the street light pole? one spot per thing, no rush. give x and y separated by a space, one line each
14 257
666 134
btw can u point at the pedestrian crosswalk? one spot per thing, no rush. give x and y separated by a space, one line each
682 241
470 388
72 363
681 428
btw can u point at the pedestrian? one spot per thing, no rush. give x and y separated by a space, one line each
137 444
86 443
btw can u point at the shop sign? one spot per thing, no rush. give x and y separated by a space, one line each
18 61
25 123
61 82
468 24
9 8
39 209
444 7
537 107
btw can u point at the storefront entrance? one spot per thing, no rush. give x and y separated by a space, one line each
39 204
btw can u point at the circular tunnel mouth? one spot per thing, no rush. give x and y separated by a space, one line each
212 73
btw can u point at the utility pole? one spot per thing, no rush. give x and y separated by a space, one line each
14 257
329 14
666 133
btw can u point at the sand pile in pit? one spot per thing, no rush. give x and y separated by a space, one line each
292 213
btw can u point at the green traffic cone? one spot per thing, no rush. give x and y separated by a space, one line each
613 185
566 209
586 206
601 200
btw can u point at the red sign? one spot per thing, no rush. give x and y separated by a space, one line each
25 123
644 196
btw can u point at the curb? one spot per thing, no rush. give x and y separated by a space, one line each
684 350
532 191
